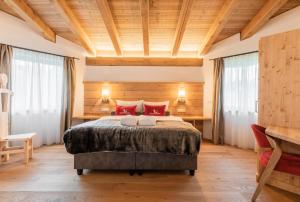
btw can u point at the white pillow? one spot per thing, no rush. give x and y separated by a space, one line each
158 103
138 103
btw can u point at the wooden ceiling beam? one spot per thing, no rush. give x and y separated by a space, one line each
110 25
217 26
143 61
181 25
262 17
144 6
28 14
74 25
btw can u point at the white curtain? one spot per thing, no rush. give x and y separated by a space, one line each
240 89
37 84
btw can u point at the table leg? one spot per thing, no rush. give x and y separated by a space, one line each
31 148
1 149
276 154
26 151
3 157
6 156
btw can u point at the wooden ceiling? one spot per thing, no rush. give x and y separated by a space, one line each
164 28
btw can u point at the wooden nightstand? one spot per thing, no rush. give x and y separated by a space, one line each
197 121
84 118
87 117
193 119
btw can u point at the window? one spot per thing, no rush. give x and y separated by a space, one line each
239 91
37 84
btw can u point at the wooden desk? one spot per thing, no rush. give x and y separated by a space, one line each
276 135
287 134
27 148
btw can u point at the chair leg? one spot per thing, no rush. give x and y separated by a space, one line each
259 173
276 154
30 148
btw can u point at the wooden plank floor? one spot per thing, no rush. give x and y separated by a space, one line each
225 174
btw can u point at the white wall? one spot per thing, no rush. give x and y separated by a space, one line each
17 33
287 21
144 74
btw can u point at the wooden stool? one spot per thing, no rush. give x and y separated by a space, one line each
27 147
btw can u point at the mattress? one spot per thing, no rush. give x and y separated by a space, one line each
169 135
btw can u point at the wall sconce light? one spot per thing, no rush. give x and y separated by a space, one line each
181 95
105 94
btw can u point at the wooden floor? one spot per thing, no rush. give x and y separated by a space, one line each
225 174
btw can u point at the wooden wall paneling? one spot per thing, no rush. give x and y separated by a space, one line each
149 91
26 13
144 6
240 17
5 8
279 92
163 16
143 61
217 26
184 15
74 25
163 21
262 17
203 14
128 21
279 89
110 25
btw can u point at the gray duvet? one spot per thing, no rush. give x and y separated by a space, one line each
109 135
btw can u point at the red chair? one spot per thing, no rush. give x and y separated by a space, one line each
287 163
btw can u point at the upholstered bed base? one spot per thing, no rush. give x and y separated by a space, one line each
134 161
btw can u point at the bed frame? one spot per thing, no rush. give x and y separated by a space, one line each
134 161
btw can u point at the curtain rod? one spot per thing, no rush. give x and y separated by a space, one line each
235 55
39 51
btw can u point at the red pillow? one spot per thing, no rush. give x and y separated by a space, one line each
125 110
154 110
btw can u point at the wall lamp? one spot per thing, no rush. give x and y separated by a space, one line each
105 94
181 95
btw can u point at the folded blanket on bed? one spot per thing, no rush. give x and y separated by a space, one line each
147 121
129 121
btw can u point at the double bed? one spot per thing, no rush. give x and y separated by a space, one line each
106 144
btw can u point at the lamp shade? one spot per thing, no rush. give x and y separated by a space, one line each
105 92
181 92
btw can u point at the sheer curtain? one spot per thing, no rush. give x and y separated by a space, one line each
37 84
240 90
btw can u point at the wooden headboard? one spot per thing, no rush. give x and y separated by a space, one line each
148 91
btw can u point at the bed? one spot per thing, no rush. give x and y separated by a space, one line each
105 144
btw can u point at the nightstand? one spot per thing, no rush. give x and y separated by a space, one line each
197 121
84 118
